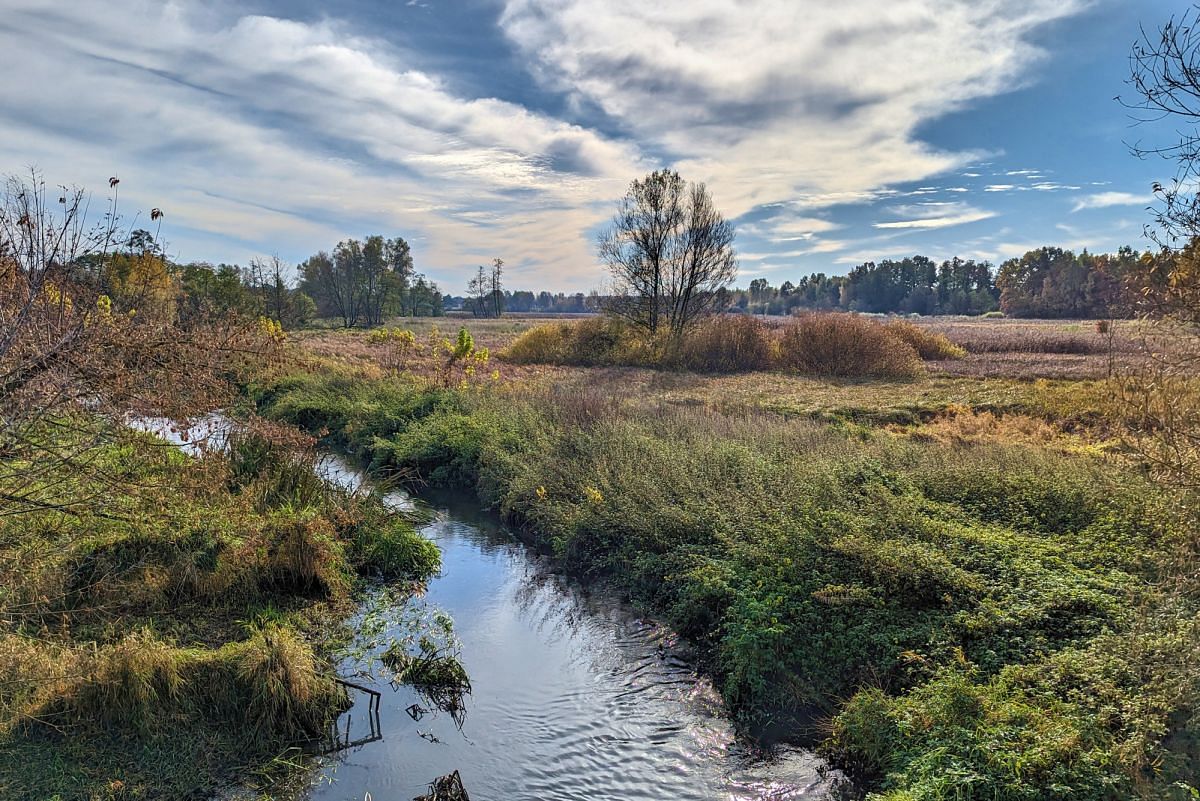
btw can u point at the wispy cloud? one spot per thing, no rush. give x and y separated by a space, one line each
258 133
1105 200
936 215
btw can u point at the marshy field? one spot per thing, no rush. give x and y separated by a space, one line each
933 551
831 555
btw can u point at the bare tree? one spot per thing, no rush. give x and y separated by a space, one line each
269 278
670 252
497 287
477 290
1165 86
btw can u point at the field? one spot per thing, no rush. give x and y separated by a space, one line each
955 582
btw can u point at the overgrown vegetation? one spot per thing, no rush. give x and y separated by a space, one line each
844 345
978 618
154 642
157 642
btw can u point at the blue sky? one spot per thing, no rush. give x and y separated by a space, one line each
830 133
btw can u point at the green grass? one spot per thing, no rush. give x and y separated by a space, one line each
964 617
168 637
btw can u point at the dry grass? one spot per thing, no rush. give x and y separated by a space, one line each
929 345
846 345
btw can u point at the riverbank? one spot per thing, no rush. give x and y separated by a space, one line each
169 621
961 598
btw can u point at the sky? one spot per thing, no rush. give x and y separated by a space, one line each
829 133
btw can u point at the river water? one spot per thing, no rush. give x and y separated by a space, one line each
574 697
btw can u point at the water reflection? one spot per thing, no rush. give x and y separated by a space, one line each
573 696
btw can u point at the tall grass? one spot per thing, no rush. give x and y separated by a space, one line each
122 651
965 615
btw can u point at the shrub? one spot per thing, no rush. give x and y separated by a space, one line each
846 345
726 344
393 549
929 345
542 344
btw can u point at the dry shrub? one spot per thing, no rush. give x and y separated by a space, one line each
929 345
726 344
542 344
846 345
594 342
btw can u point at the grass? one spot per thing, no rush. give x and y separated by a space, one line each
167 639
954 575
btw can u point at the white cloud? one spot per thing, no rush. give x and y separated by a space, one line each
286 136
935 215
750 99
1105 200
260 134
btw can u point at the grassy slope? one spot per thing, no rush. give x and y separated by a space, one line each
972 615
159 641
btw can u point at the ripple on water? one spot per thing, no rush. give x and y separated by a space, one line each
573 697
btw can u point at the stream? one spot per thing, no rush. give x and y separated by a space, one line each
574 696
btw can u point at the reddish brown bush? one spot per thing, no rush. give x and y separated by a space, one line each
727 344
846 345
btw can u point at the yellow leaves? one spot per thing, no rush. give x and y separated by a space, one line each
593 495
271 329
541 493
56 297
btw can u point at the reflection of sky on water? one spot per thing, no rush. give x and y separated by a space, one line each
573 696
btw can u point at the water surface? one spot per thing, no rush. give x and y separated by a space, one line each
574 697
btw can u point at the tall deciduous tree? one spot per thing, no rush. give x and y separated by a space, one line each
670 252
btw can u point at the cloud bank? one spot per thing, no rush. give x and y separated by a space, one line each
258 133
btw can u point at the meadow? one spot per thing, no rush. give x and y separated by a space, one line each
953 575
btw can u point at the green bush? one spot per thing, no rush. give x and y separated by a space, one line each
393 549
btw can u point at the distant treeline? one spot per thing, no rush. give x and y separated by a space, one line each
524 302
366 282
1048 282
358 283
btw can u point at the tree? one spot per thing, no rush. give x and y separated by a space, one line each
75 359
477 291
669 251
1165 85
497 288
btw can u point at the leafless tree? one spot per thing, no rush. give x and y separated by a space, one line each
1165 87
670 252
